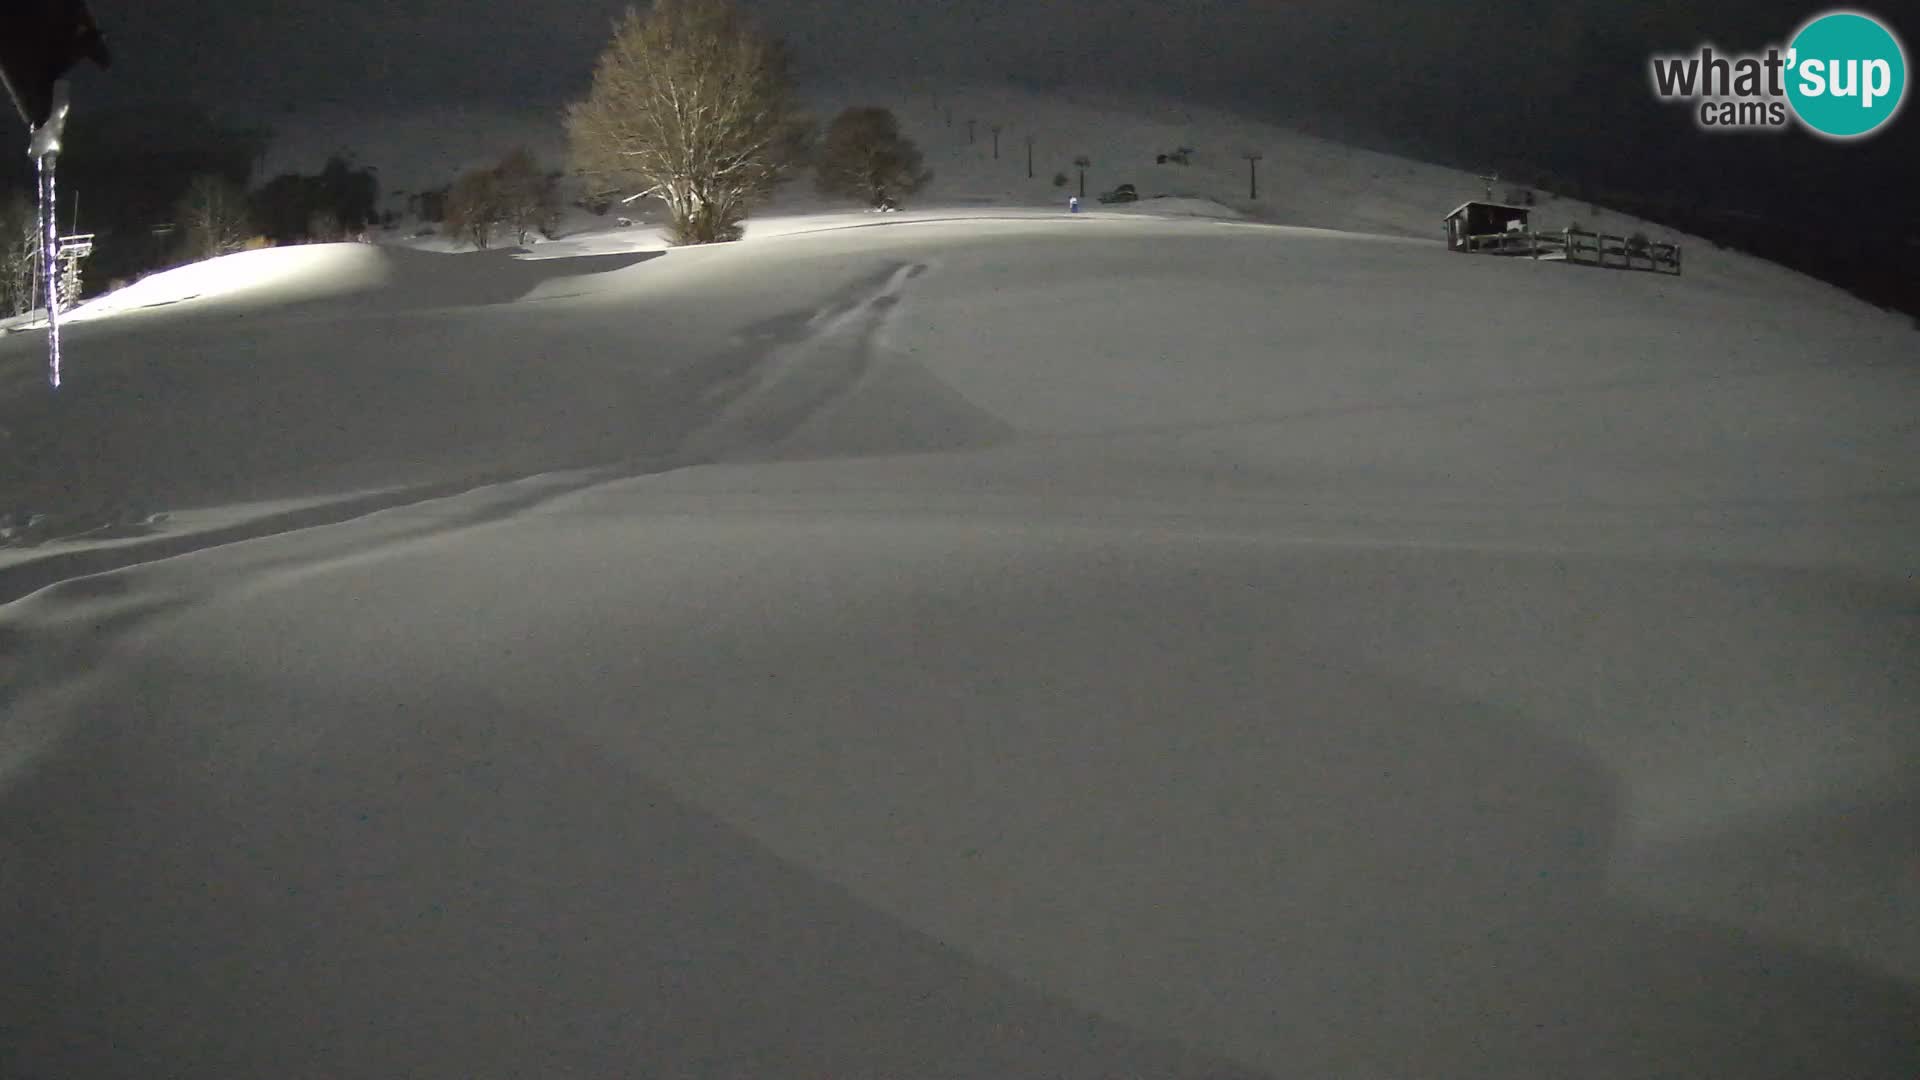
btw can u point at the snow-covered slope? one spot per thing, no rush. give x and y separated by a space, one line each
974 642
1303 179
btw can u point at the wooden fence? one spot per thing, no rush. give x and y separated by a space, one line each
1581 246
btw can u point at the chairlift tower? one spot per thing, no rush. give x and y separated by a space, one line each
71 250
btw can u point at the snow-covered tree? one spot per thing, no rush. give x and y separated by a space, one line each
864 155
691 105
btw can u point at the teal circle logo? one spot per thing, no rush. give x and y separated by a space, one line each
1847 74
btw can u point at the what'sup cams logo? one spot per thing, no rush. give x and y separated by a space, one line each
1842 76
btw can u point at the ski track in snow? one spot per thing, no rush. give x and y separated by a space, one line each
798 371
772 378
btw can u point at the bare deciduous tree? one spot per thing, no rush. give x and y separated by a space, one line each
474 207
693 106
324 227
527 202
512 193
19 254
864 155
212 218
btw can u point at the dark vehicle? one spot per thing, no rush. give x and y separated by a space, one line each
1123 193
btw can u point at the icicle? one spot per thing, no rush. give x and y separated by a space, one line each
50 262
45 150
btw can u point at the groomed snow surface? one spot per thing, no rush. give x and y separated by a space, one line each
966 644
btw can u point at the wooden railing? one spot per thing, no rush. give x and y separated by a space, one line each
1508 243
1602 249
1581 246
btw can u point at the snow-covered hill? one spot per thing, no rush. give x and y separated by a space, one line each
1303 180
972 642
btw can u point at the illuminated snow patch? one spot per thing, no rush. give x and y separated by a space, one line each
282 274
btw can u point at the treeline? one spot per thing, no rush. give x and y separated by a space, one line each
163 184
123 171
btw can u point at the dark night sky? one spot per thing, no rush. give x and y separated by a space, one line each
1462 83
415 50
1385 65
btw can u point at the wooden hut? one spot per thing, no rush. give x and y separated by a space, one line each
1478 218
